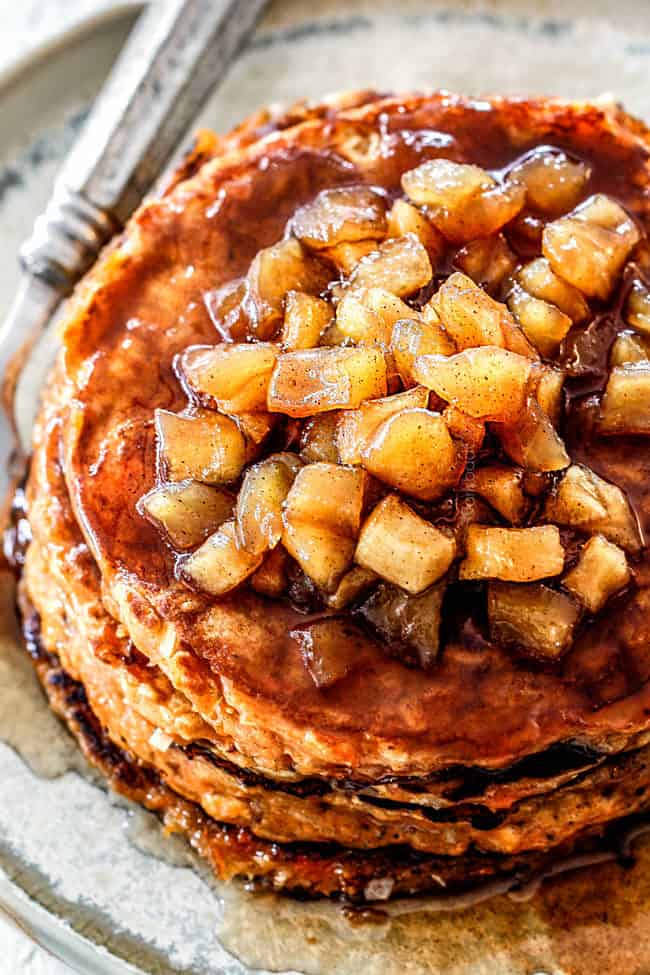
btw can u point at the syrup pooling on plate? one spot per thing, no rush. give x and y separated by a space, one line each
386 422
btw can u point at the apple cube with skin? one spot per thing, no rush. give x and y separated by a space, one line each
487 261
512 554
318 438
204 447
402 547
409 621
585 501
637 308
540 281
322 516
589 247
542 323
503 488
316 380
540 620
532 441
235 375
629 347
367 315
412 338
275 271
488 383
219 564
554 183
305 320
413 451
625 406
341 215
187 511
400 265
330 648
601 571
260 500
404 218
352 587
356 428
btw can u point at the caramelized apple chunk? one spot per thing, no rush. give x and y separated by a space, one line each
413 451
601 571
589 247
346 256
356 428
487 261
352 587
204 447
260 500
322 515
488 383
585 501
316 380
411 622
400 265
554 183
318 438
330 649
470 316
629 347
549 390
305 320
502 487
219 564
187 511
412 338
540 620
532 441
625 406
366 316
235 375
404 218
226 308
464 427
540 280
341 215
637 308
402 547
275 271
542 323
512 554
271 578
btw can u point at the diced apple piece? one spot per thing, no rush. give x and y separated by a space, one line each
317 380
235 375
412 338
533 442
502 487
305 320
542 323
548 391
411 622
367 315
472 318
400 265
322 515
187 511
256 427
512 554
271 577
629 347
260 500
540 280
356 428
586 501
220 565
404 218
402 547
625 407
330 649
352 587
538 619
444 183
413 452
589 247
487 261
601 571
554 183
318 438
488 383
203 447
347 255
226 308
464 427
637 309
275 271
342 214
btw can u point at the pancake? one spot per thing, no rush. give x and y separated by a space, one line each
492 746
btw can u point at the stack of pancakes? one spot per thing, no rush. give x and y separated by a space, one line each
394 779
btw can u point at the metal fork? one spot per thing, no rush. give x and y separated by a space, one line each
178 51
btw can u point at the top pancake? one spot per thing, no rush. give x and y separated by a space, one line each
234 657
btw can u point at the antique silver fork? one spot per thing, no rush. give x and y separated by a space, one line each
178 51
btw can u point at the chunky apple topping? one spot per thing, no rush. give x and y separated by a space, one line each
379 431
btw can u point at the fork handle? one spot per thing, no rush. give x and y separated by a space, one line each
177 52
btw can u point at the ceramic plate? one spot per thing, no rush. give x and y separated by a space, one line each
90 877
